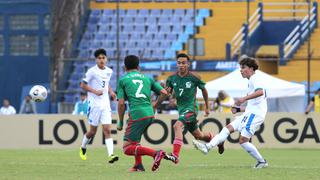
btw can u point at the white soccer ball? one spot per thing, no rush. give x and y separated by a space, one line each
38 93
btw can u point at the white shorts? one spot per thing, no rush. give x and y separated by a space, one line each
97 115
247 124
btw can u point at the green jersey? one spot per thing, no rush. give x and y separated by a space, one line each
136 89
185 90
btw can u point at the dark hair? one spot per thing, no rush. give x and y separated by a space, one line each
82 93
100 51
249 61
131 62
183 55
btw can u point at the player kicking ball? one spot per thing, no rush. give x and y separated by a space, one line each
253 116
136 89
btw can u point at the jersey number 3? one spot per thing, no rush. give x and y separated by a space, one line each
138 93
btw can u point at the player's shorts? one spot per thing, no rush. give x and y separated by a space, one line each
135 129
97 115
189 120
247 124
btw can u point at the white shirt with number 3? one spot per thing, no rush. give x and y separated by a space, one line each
99 79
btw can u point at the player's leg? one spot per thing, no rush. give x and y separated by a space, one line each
86 139
221 137
207 136
106 121
178 141
131 147
93 120
248 129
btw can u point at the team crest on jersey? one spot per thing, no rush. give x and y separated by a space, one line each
188 84
174 84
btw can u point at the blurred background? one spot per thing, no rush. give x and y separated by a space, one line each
52 43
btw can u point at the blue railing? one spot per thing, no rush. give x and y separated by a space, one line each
298 35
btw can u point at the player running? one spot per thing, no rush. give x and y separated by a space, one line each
183 84
136 89
253 116
96 82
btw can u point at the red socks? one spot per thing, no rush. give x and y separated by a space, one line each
137 149
177 143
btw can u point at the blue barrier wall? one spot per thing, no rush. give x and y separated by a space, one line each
17 71
271 33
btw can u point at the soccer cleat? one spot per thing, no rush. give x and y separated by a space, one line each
260 165
113 158
221 148
172 157
157 160
83 153
201 147
137 168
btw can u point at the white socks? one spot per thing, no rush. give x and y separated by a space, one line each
219 138
85 141
109 144
253 151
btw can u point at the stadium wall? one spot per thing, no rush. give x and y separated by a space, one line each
281 130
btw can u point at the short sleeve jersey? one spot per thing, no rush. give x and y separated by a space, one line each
98 79
185 90
257 105
136 88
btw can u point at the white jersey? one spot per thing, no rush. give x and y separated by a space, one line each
257 105
98 79
7 110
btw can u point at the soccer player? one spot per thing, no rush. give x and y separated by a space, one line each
136 89
251 119
96 82
183 84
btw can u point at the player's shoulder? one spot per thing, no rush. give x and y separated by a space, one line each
173 75
197 76
108 69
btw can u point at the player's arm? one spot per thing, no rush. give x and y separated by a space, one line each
164 93
121 111
236 109
204 91
258 92
84 85
112 93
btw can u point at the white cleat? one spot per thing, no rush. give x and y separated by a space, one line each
201 147
260 165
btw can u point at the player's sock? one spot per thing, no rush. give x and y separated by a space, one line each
219 138
253 151
135 150
138 160
177 143
109 144
85 141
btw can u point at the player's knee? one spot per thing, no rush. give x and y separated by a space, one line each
107 131
243 140
177 126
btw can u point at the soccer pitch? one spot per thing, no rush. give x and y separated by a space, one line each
233 164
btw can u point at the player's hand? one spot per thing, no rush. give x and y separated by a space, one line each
239 101
234 110
168 89
119 125
113 96
206 112
98 92
306 113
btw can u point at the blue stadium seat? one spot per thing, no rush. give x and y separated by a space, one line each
176 46
165 29
132 12
127 20
151 21
152 29
159 36
169 54
141 44
171 37
167 12
179 12
148 36
134 52
204 13
189 29
157 54
177 29
143 13
164 20
140 28
139 20
146 53
108 12
107 44
127 28
131 44
165 44
155 12
135 36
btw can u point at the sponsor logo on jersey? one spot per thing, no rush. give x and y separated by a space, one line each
188 84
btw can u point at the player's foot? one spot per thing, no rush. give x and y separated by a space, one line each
157 160
113 158
201 147
221 148
137 168
260 165
83 153
172 157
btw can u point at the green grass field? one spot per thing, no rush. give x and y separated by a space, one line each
233 164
